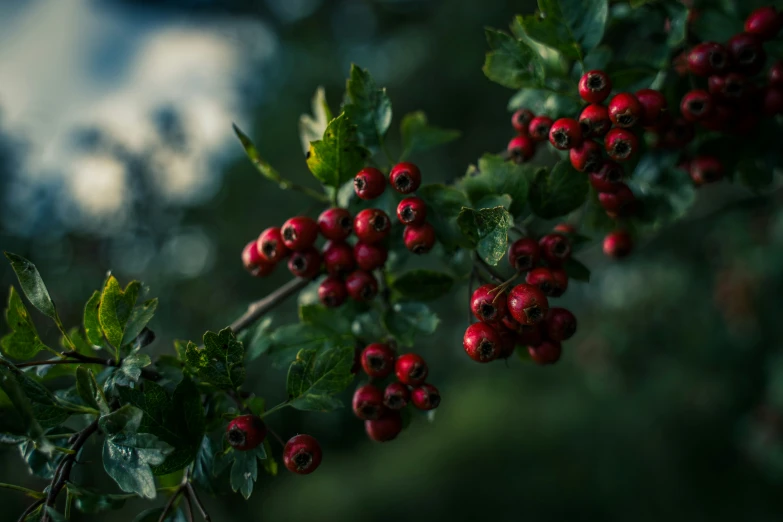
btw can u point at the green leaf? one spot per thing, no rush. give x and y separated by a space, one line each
715 26
367 106
488 230
573 27
244 471
204 463
422 285
511 63
46 410
678 23
115 309
418 135
333 320
92 322
23 341
288 340
11 384
264 168
576 270
497 176
259 339
316 375
752 173
338 156
129 371
139 318
91 502
407 321
88 390
221 361
633 79
559 192
443 206
312 128
545 102
32 284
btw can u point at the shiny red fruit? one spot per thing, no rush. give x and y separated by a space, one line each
523 254
299 233
560 324
335 224
411 369
270 245
708 58
521 119
371 225
594 86
377 360
405 178
369 183
621 144
625 110
548 352
369 257
412 211
332 292
338 258
396 396
367 402
361 286
425 397
386 428
527 304
594 121
245 432
521 148
482 342
618 244
539 128
487 304
305 263
302 454
419 239
565 134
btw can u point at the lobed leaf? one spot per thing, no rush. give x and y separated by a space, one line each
511 62
558 192
367 106
573 27
488 231
407 321
316 375
337 157
220 362
418 135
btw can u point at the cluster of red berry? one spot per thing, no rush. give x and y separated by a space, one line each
523 317
381 410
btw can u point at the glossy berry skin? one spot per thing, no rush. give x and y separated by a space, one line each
773 101
653 104
482 342
488 305
419 239
530 335
608 178
369 183
270 245
361 286
245 432
521 119
523 254
411 369
729 87
555 249
776 74
371 225
378 360
539 128
527 304
560 324
696 105
625 110
705 169
405 177
338 258
426 397
764 22
335 224
594 121
386 428
412 211
708 58
594 86
586 157
299 233
618 244
546 353
521 148
367 402
621 144
747 53
253 261
560 278
369 257
396 396
621 202
332 292
302 454
565 134
305 263
542 278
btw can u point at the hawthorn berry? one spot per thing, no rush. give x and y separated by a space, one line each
369 257
625 110
548 352
708 58
253 261
245 432
586 157
521 148
369 183
776 74
412 211
299 233
335 224
608 178
764 22
679 134
565 134
621 202
618 244
729 87
361 286
705 169
527 304
523 254
378 360
521 119
653 104
594 121
564 228
367 402
405 177
555 248
621 144
385 428
539 128
696 105
305 263
530 335
302 454
419 239
594 86
396 396
411 369
773 101
371 225
560 282
560 324
332 292
338 258
487 304
425 397
542 278
270 245
508 342
722 118
482 342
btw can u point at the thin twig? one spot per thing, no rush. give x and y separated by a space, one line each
262 306
197 500
188 505
497 276
170 504
32 507
275 435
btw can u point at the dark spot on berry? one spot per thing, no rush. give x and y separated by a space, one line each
523 263
562 138
346 223
417 372
330 300
420 249
402 181
747 55
545 286
733 89
717 59
407 214
376 363
560 248
289 233
534 313
586 126
593 163
236 437
696 106
621 149
269 248
359 183
614 175
486 349
369 411
367 292
299 262
542 130
434 400
394 401
595 82
626 119
488 311
379 222
303 460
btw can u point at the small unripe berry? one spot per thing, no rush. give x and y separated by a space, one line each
621 202
371 225
594 121
378 360
305 263
618 244
521 148
386 428
594 86
764 22
621 144
555 249
369 183
696 105
482 342
299 232
548 352
625 110
523 254
586 157
542 278
653 104
560 324
245 432
564 228
338 258
708 58
335 224
367 402
361 286
396 396
425 397
411 369
405 177
270 245
412 211
730 87
521 119
565 134
302 454
539 128
560 282
776 74
527 304
487 304
705 169
369 257
608 178
253 261
419 239
332 292
773 101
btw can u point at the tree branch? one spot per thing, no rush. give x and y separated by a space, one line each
262 306
72 357
199 505
497 276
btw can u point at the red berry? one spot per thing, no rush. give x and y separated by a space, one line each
521 148
625 110
361 286
560 285
369 257
488 305
371 225
560 324
523 254
764 22
332 292
542 278
369 183
367 402
653 104
722 118
618 244
335 224
521 120
564 228
679 134
270 245
708 58
245 432
555 248
396 396
696 105
773 101
302 454
621 144
594 86
378 360
419 239
594 121
305 263
527 304
586 157
539 128
253 261
299 232
730 87
621 202
482 342
411 369
386 428
776 74
705 169
565 134
405 177
412 211
548 352
338 258
530 335
425 397
608 178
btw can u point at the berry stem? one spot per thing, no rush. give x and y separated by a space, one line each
275 408
496 276
29 492
192 493
262 306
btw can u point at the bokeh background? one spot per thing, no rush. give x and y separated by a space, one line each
116 152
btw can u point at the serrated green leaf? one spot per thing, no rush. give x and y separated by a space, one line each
23 341
316 375
289 340
32 284
407 321
367 106
221 361
337 157
496 176
713 25
115 309
88 390
11 382
139 318
244 470
128 373
312 128
443 206
545 102
633 79
488 230
46 410
422 285
511 62
418 135
91 502
576 270
204 464
92 323
573 27
558 192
